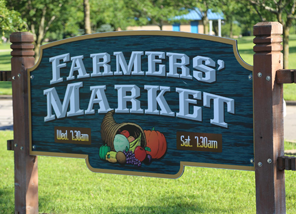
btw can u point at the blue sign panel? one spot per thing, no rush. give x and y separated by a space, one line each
143 103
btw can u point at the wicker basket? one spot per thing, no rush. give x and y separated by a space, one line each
109 128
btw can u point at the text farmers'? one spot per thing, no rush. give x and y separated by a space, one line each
204 70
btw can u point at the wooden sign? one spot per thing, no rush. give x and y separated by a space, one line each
143 103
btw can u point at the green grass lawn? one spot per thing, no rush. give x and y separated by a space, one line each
245 46
67 186
5 59
290 145
5 88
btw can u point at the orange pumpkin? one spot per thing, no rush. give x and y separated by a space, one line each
156 142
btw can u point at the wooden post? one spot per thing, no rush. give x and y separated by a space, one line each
25 166
268 118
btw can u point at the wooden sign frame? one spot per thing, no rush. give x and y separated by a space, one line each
268 121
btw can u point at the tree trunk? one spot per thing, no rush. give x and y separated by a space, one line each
230 28
160 24
286 33
87 28
37 50
205 22
40 35
215 28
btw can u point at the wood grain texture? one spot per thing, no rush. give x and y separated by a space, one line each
268 119
286 163
232 82
26 172
285 76
5 75
10 144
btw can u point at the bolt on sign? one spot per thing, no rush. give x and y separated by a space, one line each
143 103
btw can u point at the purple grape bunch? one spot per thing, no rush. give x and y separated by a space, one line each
130 159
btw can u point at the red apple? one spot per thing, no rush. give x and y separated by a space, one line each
140 153
125 133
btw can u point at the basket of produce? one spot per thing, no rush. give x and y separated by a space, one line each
121 137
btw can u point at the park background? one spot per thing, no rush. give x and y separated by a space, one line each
66 185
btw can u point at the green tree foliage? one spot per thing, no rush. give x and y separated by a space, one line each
231 30
117 13
157 12
10 20
281 10
204 6
244 14
72 20
40 16
229 9
237 15
124 13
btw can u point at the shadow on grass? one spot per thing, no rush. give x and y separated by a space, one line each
5 58
5 84
245 40
6 201
292 49
171 204
174 204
